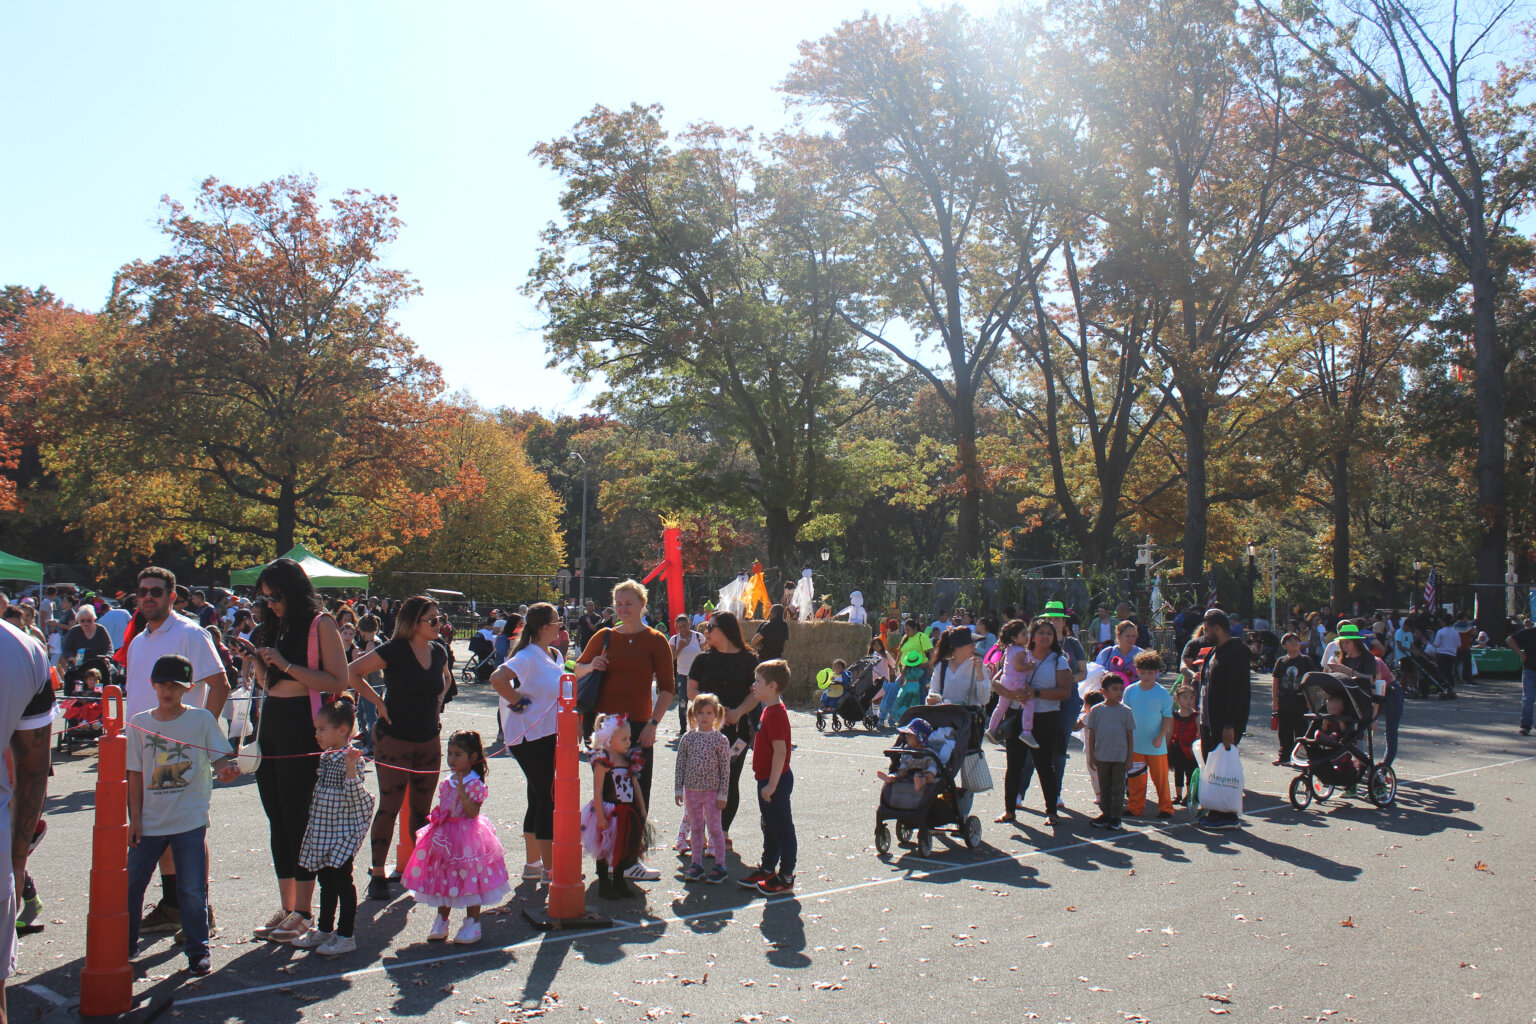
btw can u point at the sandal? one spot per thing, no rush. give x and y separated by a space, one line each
1051 821
1006 819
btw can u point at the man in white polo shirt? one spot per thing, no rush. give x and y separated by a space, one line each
166 632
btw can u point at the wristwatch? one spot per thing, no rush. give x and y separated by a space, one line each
655 721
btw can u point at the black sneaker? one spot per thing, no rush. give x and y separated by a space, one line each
1525 730
378 888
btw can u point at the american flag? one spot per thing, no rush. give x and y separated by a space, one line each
1210 592
1430 586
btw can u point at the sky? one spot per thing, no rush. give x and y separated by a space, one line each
109 106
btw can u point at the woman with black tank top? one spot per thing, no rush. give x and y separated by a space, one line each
291 678
726 671
406 739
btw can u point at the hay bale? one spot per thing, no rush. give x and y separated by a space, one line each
812 646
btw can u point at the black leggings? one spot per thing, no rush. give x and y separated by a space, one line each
1047 733
1183 767
425 762
740 731
537 759
285 782
337 886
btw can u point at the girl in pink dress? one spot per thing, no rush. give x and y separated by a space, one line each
458 860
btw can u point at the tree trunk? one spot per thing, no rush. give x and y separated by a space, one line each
781 541
1195 415
1489 364
287 519
1340 484
968 526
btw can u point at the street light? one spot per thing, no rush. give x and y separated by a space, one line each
213 558
583 566
1253 574
826 556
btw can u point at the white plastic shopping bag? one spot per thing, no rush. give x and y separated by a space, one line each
1221 781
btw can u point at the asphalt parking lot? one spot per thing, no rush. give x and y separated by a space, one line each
1340 913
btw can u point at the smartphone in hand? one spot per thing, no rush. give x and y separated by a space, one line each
738 748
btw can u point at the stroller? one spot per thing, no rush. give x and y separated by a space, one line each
80 704
1429 678
941 804
1331 753
850 704
1265 646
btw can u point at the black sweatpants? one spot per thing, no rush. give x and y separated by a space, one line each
285 782
337 888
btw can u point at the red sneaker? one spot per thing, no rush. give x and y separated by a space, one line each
775 884
755 879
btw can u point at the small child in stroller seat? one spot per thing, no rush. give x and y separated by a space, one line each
917 735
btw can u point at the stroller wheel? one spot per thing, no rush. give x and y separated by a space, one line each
903 833
821 722
924 843
1382 788
871 722
972 832
882 839
837 723
1301 792
1321 789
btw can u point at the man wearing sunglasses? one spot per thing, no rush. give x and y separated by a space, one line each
165 632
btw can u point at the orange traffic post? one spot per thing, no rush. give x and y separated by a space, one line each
106 980
567 886
407 844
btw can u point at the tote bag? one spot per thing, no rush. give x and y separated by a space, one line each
591 686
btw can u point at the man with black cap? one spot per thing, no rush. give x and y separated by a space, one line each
1224 698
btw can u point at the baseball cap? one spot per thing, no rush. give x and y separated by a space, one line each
172 668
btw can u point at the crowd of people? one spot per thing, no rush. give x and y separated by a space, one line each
328 695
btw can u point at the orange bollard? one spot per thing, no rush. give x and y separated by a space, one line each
567 888
106 980
407 844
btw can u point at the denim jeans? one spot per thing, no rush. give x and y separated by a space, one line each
191 859
780 848
1392 711
1527 698
367 714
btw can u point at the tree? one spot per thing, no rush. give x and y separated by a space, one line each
703 284
505 522
19 308
265 391
1205 205
1452 144
933 147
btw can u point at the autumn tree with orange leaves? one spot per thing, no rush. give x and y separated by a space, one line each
263 390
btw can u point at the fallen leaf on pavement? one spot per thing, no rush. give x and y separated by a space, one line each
1348 922
1216 997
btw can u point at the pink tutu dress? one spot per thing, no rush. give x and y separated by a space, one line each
458 861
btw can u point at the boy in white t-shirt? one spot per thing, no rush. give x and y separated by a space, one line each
171 748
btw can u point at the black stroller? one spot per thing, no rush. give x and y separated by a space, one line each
942 804
1338 749
1265 646
1429 681
80 702
854 703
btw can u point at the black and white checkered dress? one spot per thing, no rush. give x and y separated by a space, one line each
339 815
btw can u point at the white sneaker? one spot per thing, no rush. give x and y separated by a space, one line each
640 871
469 933
439 930
312 939
533 871
337 945
1029 740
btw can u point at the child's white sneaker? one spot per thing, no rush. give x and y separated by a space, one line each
469 933
337 945
312 939
1028 740
439 930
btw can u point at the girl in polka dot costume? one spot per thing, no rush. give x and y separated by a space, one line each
458 861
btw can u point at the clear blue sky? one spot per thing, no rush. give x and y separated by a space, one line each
108 106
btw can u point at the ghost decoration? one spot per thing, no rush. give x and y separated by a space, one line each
855 611
731 596
805 596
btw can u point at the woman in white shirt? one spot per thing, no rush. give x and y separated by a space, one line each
687 643
529 687
959 676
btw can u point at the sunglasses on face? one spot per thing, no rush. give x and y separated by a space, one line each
437 620
151 591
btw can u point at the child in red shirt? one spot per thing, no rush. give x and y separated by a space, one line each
775 782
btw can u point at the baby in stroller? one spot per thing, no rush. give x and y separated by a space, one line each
1338 748
917 735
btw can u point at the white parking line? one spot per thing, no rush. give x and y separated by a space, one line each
627 926
46 993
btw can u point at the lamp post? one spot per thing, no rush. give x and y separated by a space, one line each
1272 556
213 559
582 568
1253 575
826 556
1412 597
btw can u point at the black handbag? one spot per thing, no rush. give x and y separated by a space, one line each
592 684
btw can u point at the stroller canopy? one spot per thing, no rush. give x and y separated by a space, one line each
1319 687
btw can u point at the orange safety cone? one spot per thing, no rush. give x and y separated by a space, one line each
407 844
567 886
106 980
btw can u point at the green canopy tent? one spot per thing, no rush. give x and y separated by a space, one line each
320 572
14 568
